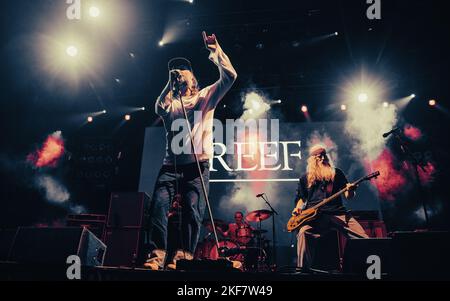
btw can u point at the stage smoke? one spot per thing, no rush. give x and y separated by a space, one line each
77 209
398 177
366 123
241 195
50 152
54 191
412 132
392 179
255 105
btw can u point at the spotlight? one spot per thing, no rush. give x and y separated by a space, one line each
304 109
94 11
190 1
385 104
362 97
161 43
432 102
275 102
117 80
132 55
72 51
256 105
336 33
104 111
413 95
343 107
90 119
143 109
127 117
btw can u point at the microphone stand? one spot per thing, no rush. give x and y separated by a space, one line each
202 180
274 252
409 155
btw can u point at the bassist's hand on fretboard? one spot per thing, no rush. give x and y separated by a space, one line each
298 209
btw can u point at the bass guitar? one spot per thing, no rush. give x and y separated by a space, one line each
310 214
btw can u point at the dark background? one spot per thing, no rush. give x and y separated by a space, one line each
269 44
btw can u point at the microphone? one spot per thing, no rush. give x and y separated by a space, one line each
174 74
385 135
175 77
260 195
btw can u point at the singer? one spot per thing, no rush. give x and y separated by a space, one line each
178 185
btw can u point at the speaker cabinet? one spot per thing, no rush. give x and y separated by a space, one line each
54 245
126 210
358 250
421 255
123 247
124 231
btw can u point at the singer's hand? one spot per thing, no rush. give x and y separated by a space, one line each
210 42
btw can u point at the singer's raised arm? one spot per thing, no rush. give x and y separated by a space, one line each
228 76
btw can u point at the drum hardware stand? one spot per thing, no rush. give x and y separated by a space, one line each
274 212
259 246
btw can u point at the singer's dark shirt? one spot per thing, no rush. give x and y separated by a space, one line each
318 192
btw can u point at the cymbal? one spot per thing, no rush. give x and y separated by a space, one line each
258 215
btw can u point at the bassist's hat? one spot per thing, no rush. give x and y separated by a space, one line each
317 149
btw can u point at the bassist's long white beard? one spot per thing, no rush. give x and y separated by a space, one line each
317 171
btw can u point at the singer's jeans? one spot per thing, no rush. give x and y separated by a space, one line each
165 234
308 234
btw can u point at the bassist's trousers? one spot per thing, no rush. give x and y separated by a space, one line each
309 234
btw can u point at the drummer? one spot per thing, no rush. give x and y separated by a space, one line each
233 232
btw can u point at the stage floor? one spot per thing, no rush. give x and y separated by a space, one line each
10 271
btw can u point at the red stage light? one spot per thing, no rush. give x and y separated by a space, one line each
50 153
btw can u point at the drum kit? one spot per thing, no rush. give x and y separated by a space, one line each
249 247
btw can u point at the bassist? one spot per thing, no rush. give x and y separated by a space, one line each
321 181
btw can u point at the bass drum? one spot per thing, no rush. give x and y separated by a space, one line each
214 253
